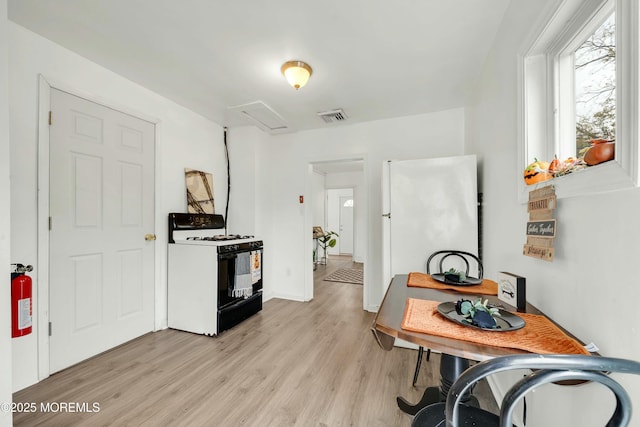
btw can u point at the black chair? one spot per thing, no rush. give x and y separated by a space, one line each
441 256
546 369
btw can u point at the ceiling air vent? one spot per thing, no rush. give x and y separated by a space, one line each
333 116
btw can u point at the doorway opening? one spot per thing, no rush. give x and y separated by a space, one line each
339 208
338 200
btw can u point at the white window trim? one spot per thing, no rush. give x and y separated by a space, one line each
536 127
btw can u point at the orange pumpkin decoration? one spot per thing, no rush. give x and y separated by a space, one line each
601 151
555 165
537 172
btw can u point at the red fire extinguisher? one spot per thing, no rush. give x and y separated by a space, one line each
21 301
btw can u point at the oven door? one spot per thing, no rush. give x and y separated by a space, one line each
235 281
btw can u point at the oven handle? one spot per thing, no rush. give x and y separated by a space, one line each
240 301
234 254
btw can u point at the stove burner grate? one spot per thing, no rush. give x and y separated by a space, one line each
221 237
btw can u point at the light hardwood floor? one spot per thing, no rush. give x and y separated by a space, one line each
292 364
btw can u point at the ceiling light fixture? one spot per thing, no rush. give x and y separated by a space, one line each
297 73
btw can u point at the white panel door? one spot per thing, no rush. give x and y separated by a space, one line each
346 225
432 206
101 207
333 216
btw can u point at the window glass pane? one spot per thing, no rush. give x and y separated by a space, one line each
595 87
348 203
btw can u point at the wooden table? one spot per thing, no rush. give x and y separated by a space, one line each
455 353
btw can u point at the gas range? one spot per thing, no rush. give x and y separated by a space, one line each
214 279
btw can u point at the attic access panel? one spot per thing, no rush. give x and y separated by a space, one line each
261 115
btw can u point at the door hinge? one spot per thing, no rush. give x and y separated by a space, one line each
49 328
50 118
49 223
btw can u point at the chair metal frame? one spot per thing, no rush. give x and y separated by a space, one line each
547 369
460 254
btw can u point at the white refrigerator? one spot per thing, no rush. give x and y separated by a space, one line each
428 205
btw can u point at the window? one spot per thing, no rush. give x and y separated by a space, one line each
594 73
578 83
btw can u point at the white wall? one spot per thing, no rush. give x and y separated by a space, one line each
356 181
5 289
246 167
284 174
244 163
597 238
318 199
184 139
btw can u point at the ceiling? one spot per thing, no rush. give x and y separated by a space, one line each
374 59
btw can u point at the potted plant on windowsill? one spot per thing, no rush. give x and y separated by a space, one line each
327 240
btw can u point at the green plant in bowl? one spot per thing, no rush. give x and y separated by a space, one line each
453 275
478 313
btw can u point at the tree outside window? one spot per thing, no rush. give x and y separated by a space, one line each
595 86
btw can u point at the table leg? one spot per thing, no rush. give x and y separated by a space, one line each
450 369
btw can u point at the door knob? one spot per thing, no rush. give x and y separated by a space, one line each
149 237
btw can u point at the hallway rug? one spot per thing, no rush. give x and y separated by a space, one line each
346 275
